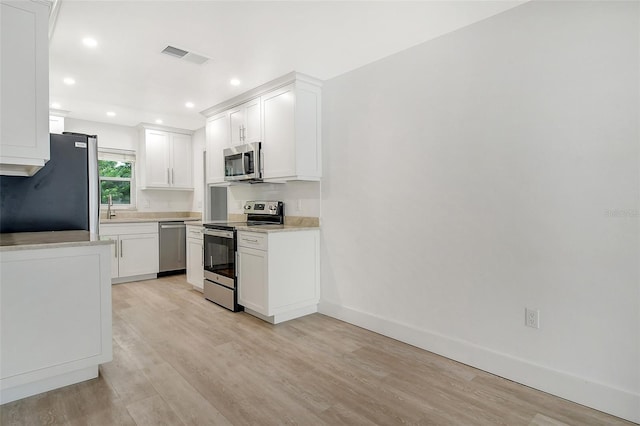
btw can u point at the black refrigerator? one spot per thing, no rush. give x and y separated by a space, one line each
62 196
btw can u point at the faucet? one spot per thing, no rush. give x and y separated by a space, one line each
110 214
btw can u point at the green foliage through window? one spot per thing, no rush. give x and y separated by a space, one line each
115 180
114 169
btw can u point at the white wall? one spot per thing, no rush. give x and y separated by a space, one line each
124 137
300 198
489 170
109 135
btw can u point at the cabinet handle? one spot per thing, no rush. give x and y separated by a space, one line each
173 177
120 248
237 263
115 253
202 257
168 177
249 241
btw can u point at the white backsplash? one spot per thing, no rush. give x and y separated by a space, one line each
300 198
164 201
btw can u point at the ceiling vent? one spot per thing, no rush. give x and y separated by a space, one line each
194 58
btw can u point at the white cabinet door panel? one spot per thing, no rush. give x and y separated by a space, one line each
157 166
217 134
252 280
253 122
278 108
195 268
138 254
236 124
24 84
181 170
114 253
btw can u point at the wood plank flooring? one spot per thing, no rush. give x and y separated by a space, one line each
181 360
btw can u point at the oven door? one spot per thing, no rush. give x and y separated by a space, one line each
220 257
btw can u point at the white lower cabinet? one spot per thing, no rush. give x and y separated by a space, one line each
195 264
135 252
56 317
278 274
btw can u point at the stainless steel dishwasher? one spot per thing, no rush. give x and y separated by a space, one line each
173 247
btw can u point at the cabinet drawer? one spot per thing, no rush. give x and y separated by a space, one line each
252 240
129 228
195 232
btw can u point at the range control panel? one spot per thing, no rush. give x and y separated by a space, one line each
263 207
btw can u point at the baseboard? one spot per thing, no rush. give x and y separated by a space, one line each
46 384
581 390
132 278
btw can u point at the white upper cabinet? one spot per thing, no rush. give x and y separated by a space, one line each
157 167
181 161
24 84
284 115
245 123
217 136
291 132
165 160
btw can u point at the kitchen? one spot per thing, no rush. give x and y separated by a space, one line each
484 150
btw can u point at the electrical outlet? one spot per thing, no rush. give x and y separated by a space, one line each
532 318
299 206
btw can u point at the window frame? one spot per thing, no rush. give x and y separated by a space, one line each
124 156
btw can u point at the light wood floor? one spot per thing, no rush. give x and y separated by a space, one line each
181 360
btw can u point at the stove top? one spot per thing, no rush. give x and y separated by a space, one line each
259 213
230 226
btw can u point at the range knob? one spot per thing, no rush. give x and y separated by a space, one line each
247 206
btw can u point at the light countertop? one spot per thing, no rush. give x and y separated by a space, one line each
50 239
146 220
265 229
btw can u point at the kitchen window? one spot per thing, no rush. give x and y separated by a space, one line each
117 177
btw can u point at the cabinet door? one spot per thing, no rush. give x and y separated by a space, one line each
217 134
278 142
195 265
253 280
24 84
157 165
253 122
236 125
181 160
114 253
138 254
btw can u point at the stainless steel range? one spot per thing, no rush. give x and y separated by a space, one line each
220 257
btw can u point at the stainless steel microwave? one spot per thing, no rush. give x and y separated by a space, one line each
243 163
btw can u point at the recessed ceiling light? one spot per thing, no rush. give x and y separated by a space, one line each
55 105
189 105
158 121
111 113
69 81
89 42
234 82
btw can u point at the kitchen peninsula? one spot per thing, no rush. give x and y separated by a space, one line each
55 310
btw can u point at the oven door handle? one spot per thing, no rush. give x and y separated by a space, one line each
219 233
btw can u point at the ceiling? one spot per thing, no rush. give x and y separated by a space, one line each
252 41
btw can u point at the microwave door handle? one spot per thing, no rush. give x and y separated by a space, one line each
245 163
